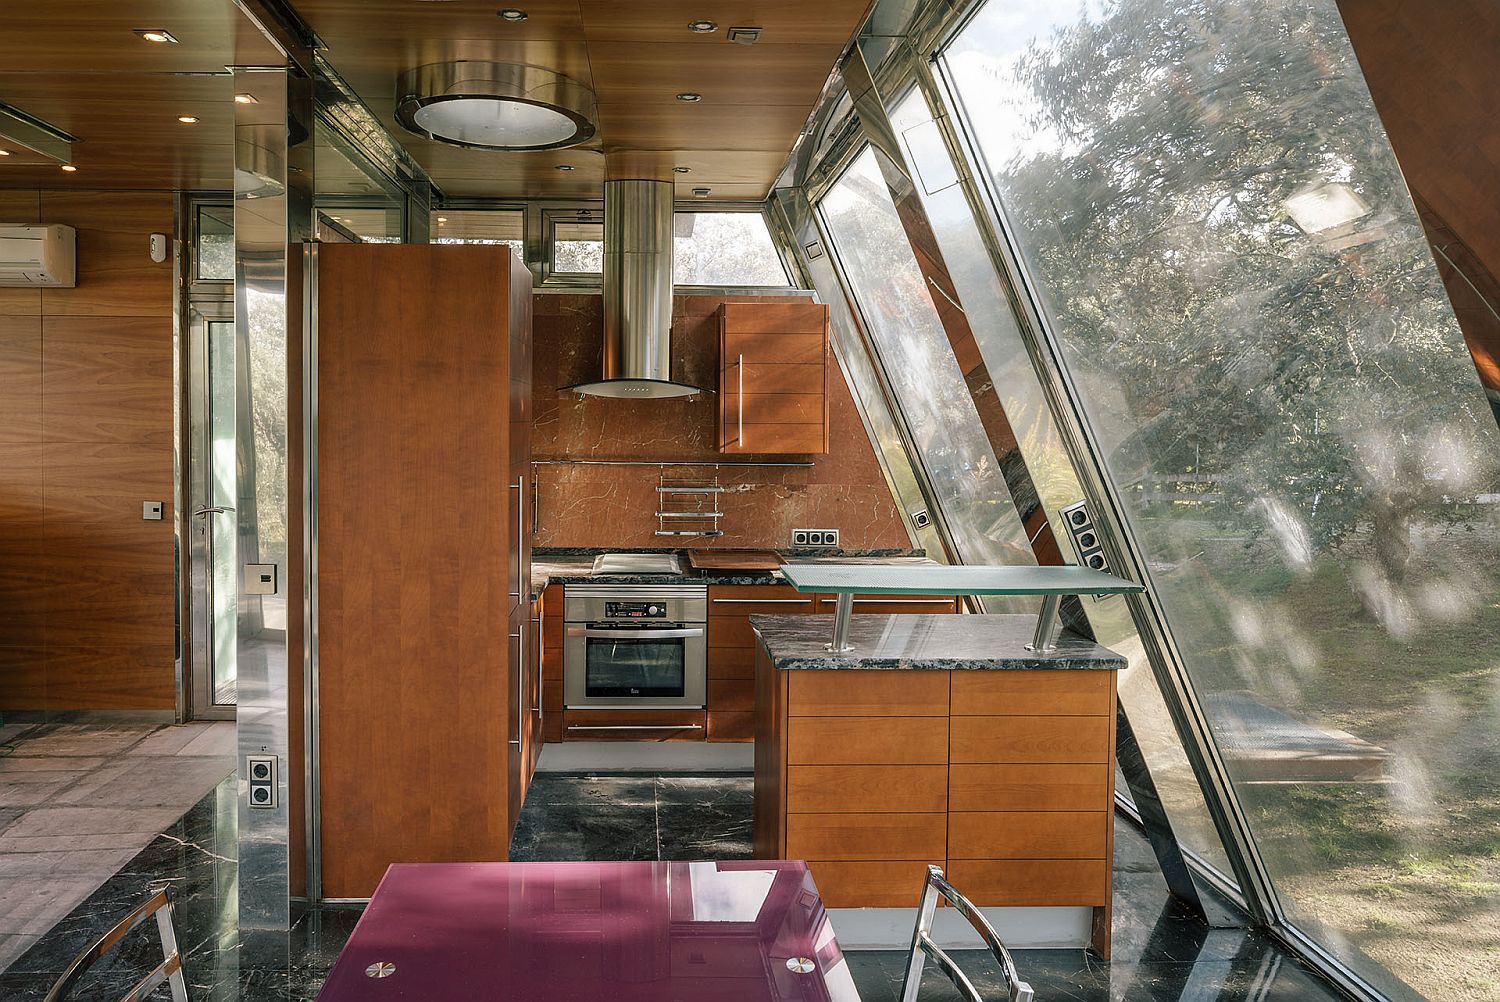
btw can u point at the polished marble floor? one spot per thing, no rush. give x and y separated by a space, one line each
78 801
1161 953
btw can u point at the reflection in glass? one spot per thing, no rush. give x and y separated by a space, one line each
1222 244
215 257
725 248
578 248
222 478
479 226
903 323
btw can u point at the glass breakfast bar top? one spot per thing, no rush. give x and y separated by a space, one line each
938 579
1051 582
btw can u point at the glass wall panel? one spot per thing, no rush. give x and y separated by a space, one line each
887 283
1040 457
480 226
725 248
1221 243
214 260
577 247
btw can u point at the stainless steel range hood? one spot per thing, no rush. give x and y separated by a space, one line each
637 294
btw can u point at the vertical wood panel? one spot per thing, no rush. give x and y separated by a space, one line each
414 553
86 389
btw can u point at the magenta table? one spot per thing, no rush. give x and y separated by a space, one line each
751 931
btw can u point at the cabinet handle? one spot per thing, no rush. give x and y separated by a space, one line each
740 400
520 488
629 727
905 601
762 601
539 649
519 638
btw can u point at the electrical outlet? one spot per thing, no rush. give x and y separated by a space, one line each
815 537
1085 537
262 772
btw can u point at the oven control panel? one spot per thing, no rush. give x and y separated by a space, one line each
635 610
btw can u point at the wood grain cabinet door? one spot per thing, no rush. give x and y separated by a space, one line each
773 378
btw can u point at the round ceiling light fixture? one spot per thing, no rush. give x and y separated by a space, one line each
689 97
515 15
495 106
682 170
702 27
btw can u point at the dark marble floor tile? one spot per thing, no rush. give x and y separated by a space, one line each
704 831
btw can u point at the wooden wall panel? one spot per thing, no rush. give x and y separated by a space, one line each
414 576
86 390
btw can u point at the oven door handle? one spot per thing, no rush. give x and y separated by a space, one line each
627 634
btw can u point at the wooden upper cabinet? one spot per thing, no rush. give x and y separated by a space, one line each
773 378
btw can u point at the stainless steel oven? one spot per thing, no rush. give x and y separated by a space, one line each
638 646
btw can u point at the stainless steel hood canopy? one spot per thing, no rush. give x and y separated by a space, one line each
637 294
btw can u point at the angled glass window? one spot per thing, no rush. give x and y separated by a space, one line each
887 283
577 247
725 249
1221 244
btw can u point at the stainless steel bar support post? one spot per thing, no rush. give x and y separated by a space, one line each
842 618
1046 626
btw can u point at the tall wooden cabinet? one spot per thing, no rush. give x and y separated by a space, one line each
424 628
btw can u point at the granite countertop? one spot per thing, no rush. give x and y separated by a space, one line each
906 642
576 566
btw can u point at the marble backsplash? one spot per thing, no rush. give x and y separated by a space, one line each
615 506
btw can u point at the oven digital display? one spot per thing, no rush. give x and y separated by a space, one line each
635 610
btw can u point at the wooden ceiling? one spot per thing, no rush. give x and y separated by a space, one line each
637 55
80 67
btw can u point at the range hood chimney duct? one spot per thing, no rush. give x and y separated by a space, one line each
637 293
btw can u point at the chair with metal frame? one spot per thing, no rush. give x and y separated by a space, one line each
168 971
922 945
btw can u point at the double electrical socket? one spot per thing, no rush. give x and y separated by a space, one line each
815 537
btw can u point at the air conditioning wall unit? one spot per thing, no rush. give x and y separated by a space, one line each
36 256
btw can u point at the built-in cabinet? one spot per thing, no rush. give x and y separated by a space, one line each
427 709
1006 778
773 378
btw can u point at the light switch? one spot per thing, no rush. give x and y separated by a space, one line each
151 510
260 579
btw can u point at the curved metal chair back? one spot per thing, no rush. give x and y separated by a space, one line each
169 970
922 946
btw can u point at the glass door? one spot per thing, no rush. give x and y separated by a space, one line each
212 521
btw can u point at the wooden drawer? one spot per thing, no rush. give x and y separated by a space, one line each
867 836
874 789
731 694
730 662
996 882
746 600
634 725
872 693
1030 788
778 318
869 883
867 741
735 632
1030 739
1029 835
731 725
772 347
1075 693
755 438
905 605
552 695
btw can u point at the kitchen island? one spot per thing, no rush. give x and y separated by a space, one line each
940 739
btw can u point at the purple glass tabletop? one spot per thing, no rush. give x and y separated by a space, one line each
743 931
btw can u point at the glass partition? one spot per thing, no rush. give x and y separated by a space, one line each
480 226
1221 246
725 248
887 284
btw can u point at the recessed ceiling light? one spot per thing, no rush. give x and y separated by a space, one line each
495 106
515 15
703 26
442 220
158 35
565 167
69 168
188 119
4 153
682 170
689 97
245 99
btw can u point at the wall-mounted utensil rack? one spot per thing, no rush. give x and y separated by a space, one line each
688 507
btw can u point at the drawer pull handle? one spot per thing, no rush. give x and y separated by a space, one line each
635 727
762 601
